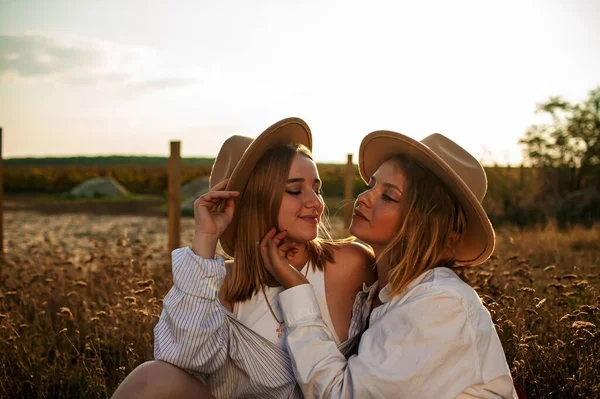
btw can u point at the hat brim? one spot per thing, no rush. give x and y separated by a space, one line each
286 131
479 239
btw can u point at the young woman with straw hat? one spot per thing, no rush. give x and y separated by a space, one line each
429 335
222 321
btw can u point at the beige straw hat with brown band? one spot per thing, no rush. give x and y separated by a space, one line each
238 157
455 167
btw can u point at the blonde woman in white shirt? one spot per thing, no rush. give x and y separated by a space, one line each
221 321
429 335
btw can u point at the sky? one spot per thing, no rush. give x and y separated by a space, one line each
126 77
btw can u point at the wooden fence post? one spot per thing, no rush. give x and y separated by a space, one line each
1 203
174 199
348 192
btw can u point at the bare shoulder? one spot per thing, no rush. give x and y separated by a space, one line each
354 259
354 253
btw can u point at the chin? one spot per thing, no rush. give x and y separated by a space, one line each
302 237
355 231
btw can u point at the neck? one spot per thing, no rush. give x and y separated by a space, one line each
383 267
382 274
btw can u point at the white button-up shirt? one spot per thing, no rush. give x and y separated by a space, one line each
436 340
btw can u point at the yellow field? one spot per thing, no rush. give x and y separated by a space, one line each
80 294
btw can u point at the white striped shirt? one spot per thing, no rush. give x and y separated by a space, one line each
198 334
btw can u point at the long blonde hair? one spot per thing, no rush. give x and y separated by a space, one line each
433 223
258 212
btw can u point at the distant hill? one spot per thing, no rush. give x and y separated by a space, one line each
113 160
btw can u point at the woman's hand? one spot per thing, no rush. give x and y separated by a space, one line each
213 212
274 255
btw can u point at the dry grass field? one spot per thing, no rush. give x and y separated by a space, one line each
80 294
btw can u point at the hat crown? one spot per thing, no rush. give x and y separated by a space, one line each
466 167
229 156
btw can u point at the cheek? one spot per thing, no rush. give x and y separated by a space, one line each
287 211
387 222
322 206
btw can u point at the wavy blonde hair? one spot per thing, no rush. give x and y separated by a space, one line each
432 226
258 212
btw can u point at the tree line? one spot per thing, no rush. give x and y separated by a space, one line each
111 160
566 150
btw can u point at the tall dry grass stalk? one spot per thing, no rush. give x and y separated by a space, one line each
77 307
542 290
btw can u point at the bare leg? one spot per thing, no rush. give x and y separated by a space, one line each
156 379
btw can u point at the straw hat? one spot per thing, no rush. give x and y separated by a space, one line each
455 167
238 157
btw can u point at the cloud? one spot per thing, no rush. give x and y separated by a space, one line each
83 61
159 83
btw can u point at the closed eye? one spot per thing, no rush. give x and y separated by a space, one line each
388 198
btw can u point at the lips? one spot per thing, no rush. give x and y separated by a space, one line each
358 214
310 218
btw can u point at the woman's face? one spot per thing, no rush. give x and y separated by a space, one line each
378 210
302 204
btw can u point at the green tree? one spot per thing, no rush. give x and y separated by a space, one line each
567 148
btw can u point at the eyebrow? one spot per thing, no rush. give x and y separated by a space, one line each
300 180
388 185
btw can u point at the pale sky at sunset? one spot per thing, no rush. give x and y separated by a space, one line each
125 77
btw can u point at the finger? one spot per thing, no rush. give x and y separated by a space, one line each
287 246
289 255
203 207
221 186
265 257
270 234
229 208
263 243
263 250
273 253
277 238
216 196
213 201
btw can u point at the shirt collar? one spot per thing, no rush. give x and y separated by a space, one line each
385 294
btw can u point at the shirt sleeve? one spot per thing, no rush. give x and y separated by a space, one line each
192 332
422 348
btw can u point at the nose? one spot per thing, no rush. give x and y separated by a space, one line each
313 200
365 198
